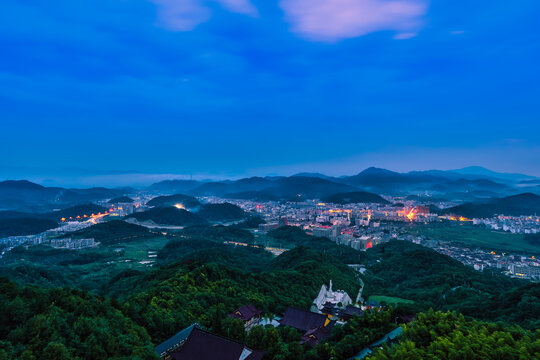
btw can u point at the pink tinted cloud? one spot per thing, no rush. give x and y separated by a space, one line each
184 15
239 6
181 15
404 36
333 20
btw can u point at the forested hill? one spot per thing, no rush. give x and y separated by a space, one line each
188 202
433 280
451 336
112 232
168 216
25 226
516 205
63 324
199 278
293 279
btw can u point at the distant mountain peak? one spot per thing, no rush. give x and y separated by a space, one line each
20 184
482 171
378 171
312 174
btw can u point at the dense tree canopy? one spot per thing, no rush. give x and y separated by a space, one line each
200 278
437 281
438 335
66 324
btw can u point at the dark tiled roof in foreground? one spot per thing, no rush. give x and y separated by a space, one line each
246 312
202 345
170 343
351 311
312 337
302 319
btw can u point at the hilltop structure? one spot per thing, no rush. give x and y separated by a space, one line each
330 300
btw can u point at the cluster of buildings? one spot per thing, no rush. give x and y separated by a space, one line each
362 226
518 266
513 224
13 241
72 244
67 227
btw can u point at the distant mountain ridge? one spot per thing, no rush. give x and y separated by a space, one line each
23 195
481 171
467 184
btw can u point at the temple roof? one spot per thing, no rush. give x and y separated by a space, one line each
302 319
203 345
246 312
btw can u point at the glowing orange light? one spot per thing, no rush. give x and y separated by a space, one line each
179 206
78 216
369 245
369 215
63 219
410 215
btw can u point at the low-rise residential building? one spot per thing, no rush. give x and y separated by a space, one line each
249 314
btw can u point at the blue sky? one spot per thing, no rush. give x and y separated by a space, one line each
244 87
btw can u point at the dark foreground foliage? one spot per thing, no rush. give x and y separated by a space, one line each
61 324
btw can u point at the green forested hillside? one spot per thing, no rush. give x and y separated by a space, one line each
516 205
291 236
178 294
197 277
438 335
169 216
25 226
112 232
189 202
221 212
66 324
218 233
437 281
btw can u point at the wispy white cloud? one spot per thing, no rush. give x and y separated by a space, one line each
404 36
184 15
333 20
239 6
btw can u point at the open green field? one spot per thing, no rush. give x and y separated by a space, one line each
138 251
475 236
86 268
389 299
